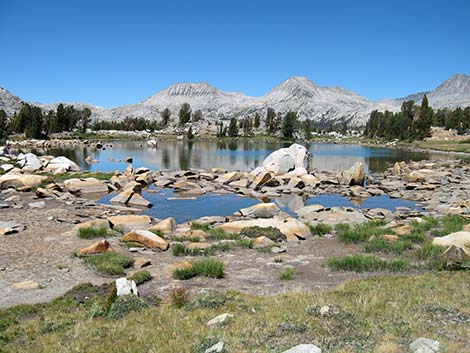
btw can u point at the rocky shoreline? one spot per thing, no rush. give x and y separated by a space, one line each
42 217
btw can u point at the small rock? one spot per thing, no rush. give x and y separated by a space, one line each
27 285
424 345
141 262
304 348
38 204
219 319
216 348
96 248
324 310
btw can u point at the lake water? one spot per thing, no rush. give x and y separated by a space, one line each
211 204
230 155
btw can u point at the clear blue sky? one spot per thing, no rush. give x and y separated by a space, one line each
112 52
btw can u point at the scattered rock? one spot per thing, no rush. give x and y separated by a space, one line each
27 285
38 204
353 176
129 222
261 210
96 248
166 226
146 238
126 287
459 239
219 319
85 186
141 262
304 348
20 180
424 345
216 348
284 160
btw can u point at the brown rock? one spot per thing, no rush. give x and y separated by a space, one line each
94 223
130 221
147 239
390 237
141 262
403 230
166 226
96 248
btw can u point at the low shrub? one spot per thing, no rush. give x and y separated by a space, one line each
320 229
179 297
140 277
109 263
211 300
287 274
92 232
124 305
362 263
270 232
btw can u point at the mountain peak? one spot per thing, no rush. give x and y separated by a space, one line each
456 84
296 86
190 89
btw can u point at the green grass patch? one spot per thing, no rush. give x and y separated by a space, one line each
287 274
109 263
270 232
450 224
387 247
182 239
211 300
362 263
208 267
124 305
92 232
220 234
200 226
360 232
140 277
320 229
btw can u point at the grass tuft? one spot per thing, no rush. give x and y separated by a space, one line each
124 305
320 229
387 247
207 267
287 274
140 277
91 232
200 226
220 234
109 263
362 263
361 232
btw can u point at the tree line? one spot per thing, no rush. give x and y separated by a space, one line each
413 122
35 123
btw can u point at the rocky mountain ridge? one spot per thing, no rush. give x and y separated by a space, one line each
300 94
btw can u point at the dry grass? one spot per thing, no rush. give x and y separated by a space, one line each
381 314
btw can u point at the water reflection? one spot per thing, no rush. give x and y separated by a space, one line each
225 205
229 154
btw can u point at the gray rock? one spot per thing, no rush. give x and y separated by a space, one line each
304 348
38 204
216 348
424 345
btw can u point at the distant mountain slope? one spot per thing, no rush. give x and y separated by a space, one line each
9 102
299 94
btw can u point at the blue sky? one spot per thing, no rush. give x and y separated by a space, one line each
113 52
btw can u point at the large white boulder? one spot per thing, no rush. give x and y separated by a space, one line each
63 163
459 239
125 287
285 160
29 162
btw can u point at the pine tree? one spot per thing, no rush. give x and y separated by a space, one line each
197 116
189 134
233 128
257 122
271 121
3 124
184 114
289 125
165 115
